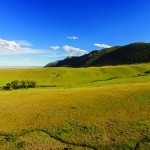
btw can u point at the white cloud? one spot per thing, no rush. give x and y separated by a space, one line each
73 37
102 45
55 47
8 47
72 51
23 43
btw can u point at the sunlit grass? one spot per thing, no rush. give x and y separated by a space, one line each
65 77
99 115
109 114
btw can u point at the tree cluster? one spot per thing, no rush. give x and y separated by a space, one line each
19 85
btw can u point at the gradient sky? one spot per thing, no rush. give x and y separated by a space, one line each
36 32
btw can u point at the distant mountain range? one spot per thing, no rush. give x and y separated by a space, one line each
118 55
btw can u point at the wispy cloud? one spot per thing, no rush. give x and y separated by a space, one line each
8 47
23 43
73 37
73 51
102 45
55 47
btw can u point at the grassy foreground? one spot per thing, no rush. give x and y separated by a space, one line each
89 108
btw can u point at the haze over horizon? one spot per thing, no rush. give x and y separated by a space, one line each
36 32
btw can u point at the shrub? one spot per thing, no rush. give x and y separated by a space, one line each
20 85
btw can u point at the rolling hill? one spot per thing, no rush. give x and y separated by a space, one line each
118 55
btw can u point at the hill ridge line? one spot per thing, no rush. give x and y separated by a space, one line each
118 55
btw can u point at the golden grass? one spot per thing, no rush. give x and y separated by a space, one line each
96 116
90 108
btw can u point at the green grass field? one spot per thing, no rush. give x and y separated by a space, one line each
77 108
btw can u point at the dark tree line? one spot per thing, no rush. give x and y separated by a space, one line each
20 85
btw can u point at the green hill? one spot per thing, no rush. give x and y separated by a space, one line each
128 54
82 61
66 77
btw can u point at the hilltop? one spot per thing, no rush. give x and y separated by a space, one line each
118 55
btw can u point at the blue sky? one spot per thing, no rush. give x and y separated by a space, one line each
36 32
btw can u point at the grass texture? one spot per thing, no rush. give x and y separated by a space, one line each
89 108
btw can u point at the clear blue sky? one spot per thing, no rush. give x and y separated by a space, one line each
36 32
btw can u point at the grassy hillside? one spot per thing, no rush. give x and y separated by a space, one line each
65 77
106 108
128 54
82 61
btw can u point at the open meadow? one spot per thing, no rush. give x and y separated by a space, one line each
77 108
